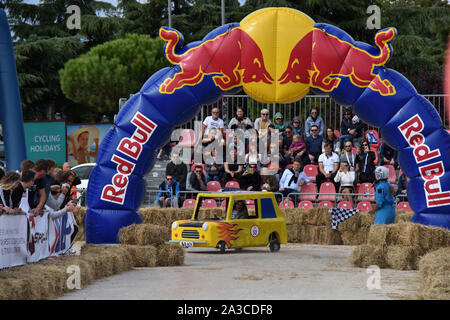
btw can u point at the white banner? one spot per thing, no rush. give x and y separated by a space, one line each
13 240
62 233
38 247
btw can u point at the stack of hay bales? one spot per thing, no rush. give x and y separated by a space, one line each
147 245
399 246
310 226
434 269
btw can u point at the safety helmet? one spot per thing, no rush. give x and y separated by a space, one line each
381 173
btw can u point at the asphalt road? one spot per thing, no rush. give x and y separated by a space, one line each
296 272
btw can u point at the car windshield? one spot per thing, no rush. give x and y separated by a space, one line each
216 208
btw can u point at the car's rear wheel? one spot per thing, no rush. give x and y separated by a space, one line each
274 244
222 246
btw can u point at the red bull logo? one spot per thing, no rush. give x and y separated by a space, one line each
233 57
310 62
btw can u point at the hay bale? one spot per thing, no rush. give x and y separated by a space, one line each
170 255
403 216
402 257
434 270
351 238
143 256
292 232
144 234
365 255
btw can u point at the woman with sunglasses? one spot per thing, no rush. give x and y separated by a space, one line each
365 166
314 119
263 122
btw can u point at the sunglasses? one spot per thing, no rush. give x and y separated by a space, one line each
168 179
198 171
365 145
264 114
314 130
348 146
296 121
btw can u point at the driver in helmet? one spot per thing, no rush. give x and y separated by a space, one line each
384 198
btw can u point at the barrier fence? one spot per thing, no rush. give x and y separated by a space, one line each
329 110
338 197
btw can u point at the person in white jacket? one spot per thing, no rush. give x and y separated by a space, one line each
346 178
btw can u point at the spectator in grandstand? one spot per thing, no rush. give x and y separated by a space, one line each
286 142
297 127
212 136
233 169
298 149
253 156
269 181
26 165
278 122
365 166
331 138
68 180
314 144
263 122
10 182
197 179
250 180
292 179
66 166
213 121
275 161
56 197
214 170
168 195
348 155
314 119
345 178
177 170
240 121
239 144
402 183
346 124
328 166
351 128
388 155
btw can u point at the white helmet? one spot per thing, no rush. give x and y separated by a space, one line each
381 173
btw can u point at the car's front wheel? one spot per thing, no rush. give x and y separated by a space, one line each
222 246
274 244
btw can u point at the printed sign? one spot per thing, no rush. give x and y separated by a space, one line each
46 140
13 240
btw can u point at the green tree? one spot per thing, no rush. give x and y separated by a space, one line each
112 70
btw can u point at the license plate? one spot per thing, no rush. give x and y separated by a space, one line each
186 244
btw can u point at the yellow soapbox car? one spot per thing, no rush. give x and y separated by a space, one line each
241 219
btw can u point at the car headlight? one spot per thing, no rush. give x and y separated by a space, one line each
174 225
205 226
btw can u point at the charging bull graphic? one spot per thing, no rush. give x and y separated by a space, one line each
233 57
309 62
326 57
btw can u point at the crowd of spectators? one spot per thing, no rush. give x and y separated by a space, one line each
38 187
344 158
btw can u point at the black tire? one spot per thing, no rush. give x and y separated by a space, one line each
222 246
274 244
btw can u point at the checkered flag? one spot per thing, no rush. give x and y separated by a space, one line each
339 215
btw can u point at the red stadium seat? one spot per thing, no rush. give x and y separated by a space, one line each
209 203
308 188
286 203
404 205
327 187
198 164
187 138
372 137
345 204
250 204
325 204
290 165
364 206
366 188
232 184
306 205
311 171
392 175
188 203
223 204
213 186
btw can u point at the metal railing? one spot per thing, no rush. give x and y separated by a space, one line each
370 197
329 110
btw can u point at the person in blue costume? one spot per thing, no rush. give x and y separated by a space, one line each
384 198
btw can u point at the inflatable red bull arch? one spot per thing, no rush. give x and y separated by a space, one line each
275 55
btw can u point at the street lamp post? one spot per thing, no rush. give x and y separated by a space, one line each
169 9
